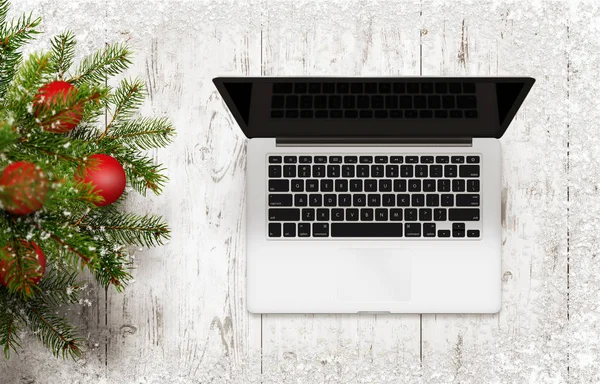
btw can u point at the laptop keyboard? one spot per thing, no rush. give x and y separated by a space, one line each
373 196
370 100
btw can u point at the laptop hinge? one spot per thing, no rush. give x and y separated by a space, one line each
374 142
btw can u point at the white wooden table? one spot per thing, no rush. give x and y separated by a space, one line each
184 319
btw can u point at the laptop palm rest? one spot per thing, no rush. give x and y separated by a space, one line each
374 274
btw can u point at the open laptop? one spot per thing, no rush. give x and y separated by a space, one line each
373 195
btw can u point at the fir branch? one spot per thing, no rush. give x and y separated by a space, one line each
53 331
127 99
63 52
143 133
127 228
8 136
4 7
110 61
141 172
59 287
9 324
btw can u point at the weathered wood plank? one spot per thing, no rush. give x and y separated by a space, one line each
524 341
583 173
341 39
186 311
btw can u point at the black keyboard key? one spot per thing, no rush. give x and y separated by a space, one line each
466 102
289 171
290 159
352 214
359 200
396 214
458 233
444 233
366 230
345 199
450 170
434 102
341 185
388 200
306 102
413 88
374 200
429 185
440 114
363 170
366 114
427 88
280 200
429 230
447 200
458 226
314 87
381 214
371 88
412 229
376 102
348 170
328 87
396 159
455 87
425 214
343 87
426 159
399 87
412 159
356 185
349 102
377 170
443 185
418 200
403 200
381 159
277 114
421 171
300 200
351 114
334 101
306 114
400 185
297 185
463 214
411 114
284 214
435 170
473 159
282 88
410 214
274 230
420 102
458 159
330 200
275 171
312 185
391 171
333 170
414 185
381 114
275 159
350 159
391 102
335 159
291 101
469 171
405 102
440 214
467 200
289 230
320 159
385 185
406 171
320 229
327 185
315 200
469 87
336 114
473 233
458 185
279 186
308 214
441 87
322 214
370 185
356 87
471 114
337 214
472 185
366 214
432 200
363 102
385 87
318 171
305 159
442 159
321 114
300 87
456 114
366 159
303 230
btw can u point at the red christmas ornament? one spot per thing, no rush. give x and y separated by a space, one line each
47 97
31 252
107 176
26 185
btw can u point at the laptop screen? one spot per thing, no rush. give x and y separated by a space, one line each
364 107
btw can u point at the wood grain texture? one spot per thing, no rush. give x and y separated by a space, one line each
184 319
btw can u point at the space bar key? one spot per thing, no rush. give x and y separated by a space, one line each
366 230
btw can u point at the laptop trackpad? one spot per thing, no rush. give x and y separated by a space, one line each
373 274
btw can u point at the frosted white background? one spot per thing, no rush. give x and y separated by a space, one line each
184 319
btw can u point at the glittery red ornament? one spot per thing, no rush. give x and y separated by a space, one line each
47 97
26 186
31 252
107 176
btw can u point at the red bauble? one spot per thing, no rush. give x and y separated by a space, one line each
27 186
31 251
47 97
107 176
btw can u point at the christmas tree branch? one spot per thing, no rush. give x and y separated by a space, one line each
9 324
127 228
127 99
53 331
110 61
143 133
63 52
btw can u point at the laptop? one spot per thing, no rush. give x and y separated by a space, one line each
373 195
